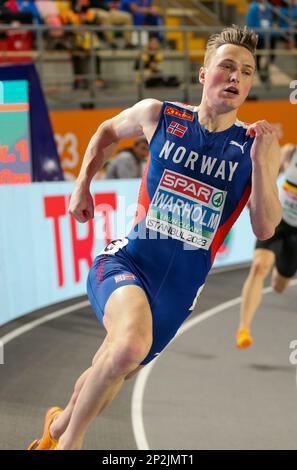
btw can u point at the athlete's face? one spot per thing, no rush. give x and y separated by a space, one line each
227 77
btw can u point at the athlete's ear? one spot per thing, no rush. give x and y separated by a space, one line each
202 73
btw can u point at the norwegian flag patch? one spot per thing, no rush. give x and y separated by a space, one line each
124 277
177 129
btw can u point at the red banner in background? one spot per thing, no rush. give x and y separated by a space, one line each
55 207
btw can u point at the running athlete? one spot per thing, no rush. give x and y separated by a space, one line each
279 251
204 164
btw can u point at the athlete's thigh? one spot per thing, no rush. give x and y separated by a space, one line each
118 298
286 261
267 250
127 311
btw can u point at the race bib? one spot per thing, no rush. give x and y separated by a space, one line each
186 209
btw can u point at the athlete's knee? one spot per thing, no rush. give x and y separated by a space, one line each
279 289
128 353
279 285
260 267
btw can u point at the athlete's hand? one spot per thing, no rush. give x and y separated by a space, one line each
265 136
81 204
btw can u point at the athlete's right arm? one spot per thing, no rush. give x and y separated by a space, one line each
142 118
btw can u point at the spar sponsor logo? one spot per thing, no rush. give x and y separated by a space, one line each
179 114
177 129
186 209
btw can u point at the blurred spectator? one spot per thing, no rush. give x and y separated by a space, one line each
48 11
130 162
144 13
15 39
275 6
260 16
106 16
28 6
83 42
289 11
10 11
152 63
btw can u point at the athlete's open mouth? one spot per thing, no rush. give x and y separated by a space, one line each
232 89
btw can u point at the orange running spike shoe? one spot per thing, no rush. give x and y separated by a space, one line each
243 338
47 442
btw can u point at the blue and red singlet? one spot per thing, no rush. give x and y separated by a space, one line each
195 185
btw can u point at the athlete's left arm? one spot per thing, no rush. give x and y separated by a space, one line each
265 208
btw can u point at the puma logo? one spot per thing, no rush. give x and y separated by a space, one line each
232 142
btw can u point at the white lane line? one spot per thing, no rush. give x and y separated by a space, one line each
143 375
51 316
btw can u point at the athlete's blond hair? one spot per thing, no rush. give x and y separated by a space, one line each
244 37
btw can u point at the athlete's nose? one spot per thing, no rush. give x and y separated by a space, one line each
234 77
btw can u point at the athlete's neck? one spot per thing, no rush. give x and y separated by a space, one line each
212 121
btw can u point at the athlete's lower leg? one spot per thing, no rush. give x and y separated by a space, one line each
279 283
253 286
60 424
102 384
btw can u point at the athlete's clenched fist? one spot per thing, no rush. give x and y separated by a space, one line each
81 204
265 138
